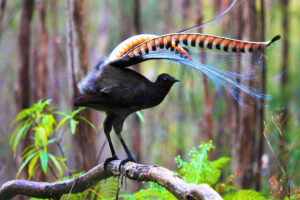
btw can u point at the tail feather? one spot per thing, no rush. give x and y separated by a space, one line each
140 48
170 41
87 99
134 49
277 37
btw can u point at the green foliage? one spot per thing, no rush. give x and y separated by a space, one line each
106 189
152 191
39 120
198 170
141 117
244 195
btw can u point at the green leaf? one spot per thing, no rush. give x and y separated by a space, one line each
221 162
32 165
88 122
140 115
52 109
77 111
25 163
42 104
73 124
51 141
245 194
37 140
62 122
27 149
100 126
21 131
23 114
31 151
56 163
62 161
44 161
13 135
48 122
42 135
64 113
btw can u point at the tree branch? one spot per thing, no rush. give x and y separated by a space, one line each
160 175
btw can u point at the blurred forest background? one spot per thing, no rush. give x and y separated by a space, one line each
35 55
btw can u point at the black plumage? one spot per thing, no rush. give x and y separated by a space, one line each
119 92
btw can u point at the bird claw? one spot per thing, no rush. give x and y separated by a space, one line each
109 160
123 162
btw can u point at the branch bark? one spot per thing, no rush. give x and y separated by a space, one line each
78 61
139 172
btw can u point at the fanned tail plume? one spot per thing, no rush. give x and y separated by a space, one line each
144 47
227 79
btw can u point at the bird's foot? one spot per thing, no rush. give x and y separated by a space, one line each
123 162
115 157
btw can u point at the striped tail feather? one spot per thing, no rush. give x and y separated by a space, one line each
198 40
128 44
132 50
134 41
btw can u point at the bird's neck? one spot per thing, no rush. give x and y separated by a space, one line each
162 91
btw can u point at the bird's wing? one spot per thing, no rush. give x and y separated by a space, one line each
125 87
117 87
124 95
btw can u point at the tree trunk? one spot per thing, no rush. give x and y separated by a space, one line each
285 49
208 108
39 71
2 9
181 113
136 125
78 60
246 136
42 51
284 83
126 24
234 105
261 109
24 36
54 56
168 16
285 60
24 53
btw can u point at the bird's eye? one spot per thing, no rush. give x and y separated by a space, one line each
165 78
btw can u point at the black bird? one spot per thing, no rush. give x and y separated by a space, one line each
119 92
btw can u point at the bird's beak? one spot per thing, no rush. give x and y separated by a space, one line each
176 80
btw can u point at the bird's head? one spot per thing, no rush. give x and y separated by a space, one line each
165 81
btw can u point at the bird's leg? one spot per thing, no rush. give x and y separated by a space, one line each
107 128
129 155
118 126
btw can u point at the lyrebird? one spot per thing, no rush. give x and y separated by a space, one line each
119 91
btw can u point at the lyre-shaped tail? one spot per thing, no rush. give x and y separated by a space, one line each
171 47
132 50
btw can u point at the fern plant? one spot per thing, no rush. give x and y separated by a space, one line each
198 170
